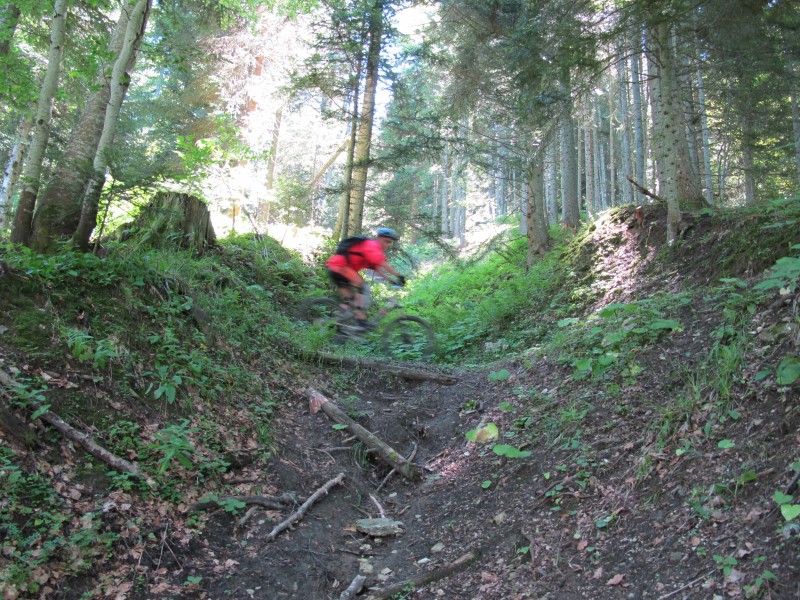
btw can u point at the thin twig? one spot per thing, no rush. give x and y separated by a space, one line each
298 514
378 504
687 586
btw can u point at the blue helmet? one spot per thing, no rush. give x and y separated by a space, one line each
387 232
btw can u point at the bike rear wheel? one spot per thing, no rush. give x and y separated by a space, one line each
408 338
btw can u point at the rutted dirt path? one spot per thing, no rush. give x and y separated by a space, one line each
543 527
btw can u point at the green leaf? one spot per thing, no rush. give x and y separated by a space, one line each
788 371
781 498
40 411
499 375
567 322
505 406
726 444
481 435
665 324
790 511
762 374
510 451
487 484
338 426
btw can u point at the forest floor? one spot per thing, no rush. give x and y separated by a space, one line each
598 509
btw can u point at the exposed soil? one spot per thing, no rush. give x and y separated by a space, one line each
598 510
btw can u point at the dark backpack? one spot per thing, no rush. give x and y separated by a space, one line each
345 246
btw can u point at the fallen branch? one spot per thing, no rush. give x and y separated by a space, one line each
82 439
393 471
353 589
454 567
273 502
318 401
645 191
403 371
298 514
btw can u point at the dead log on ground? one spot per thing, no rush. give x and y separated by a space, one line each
318 401
403 371
82 439
298 514
272 502
446 571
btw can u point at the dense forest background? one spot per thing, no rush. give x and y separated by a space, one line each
435 118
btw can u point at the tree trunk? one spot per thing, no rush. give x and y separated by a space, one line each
570 209
176 218
272 161
748 141
675 149
625 121
537 230
8 25
704 140
342 228
361 156
13 169
59 207
796 131
588 154
120 80
32 171
552 188
638 106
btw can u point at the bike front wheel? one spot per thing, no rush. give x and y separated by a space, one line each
408 338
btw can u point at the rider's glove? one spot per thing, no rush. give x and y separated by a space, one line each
401 281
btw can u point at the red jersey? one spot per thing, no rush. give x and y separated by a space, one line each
364 255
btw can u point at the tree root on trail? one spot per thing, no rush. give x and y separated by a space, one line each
406 372
298 514
454 567
82 439
273 502
317 402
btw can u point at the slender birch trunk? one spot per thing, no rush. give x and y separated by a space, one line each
59 206
120 81
13 168
32 171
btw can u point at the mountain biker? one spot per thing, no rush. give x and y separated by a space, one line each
369 253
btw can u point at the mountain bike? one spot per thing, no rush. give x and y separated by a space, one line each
400 335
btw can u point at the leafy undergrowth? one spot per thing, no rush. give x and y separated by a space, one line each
627 427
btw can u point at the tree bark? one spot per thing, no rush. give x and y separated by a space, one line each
361 156
59 207
120 80
8 25
13 168
796 132
32 171
537 230
570 208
